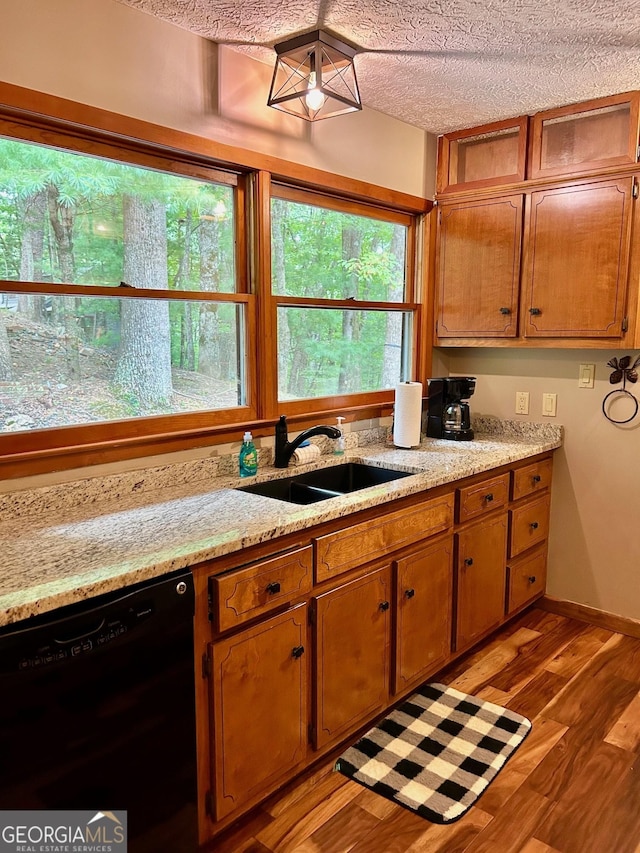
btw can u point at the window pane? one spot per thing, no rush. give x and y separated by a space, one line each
323 352
68 360
72 218
324 253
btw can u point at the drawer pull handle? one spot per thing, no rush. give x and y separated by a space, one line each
273 587
535 312
468 561
536 478
384 605
505 310
532 579
488 498
409 593
534 525
297 652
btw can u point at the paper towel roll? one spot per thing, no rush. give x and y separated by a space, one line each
304 455
407 414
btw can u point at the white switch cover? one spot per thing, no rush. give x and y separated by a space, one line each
586 375
549 403
522 402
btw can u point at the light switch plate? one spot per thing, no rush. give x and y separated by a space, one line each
549 404
586 375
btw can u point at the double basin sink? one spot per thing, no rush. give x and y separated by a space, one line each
324 483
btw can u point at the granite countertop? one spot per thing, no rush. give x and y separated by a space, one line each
66 543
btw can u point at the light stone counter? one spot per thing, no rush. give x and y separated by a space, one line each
65 543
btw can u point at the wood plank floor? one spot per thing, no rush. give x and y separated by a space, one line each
573 787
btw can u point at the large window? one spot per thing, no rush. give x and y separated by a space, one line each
154 294
340 281
77 224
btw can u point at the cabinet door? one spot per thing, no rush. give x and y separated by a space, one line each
478 267
259 704
353 630
424 583
576 260
480 579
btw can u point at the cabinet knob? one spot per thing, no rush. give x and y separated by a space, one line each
536 478
297 652
409 593
534 525
488 498
273 587
468 561
384 605
535 311
532 579
505 310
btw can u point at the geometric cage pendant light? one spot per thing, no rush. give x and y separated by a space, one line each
314 77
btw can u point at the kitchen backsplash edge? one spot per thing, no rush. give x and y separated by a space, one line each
93 491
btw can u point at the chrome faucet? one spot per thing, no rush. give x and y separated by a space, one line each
285 449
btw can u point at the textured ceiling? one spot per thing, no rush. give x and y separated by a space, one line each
444 64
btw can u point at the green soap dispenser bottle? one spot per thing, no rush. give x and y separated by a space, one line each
248 459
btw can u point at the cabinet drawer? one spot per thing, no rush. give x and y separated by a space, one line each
246 593
483 497
527 578
531 478
529 525
345 549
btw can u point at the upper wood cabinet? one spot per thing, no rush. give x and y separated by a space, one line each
478 267
575 271
482 156
585 137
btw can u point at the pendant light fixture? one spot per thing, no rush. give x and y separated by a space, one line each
314 77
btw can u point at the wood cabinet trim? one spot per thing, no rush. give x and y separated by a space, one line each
526 578
530 479
340 551
536 170
249 592
529 525
236 786
482 498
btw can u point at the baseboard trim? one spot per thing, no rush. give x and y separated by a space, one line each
584 613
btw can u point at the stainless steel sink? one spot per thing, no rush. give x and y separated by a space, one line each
324 483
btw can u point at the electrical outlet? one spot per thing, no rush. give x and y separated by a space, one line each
522 402
549 404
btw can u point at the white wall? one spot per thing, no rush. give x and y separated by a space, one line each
594 547
107 55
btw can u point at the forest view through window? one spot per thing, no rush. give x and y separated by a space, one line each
67 358
357 336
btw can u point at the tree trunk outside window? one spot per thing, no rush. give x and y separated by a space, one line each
143 371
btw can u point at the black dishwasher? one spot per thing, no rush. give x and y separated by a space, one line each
97 711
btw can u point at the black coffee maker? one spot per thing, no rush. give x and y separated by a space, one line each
448 414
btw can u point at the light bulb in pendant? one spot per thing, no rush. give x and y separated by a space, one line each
314 98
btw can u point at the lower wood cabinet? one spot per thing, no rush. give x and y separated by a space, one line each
352 639
480 579
527 577
299 659
424 584
259 691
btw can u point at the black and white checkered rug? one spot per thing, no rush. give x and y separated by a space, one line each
436 753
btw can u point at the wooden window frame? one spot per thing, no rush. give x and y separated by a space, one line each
269 379
36 117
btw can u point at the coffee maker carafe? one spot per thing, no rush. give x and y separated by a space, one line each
448 415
